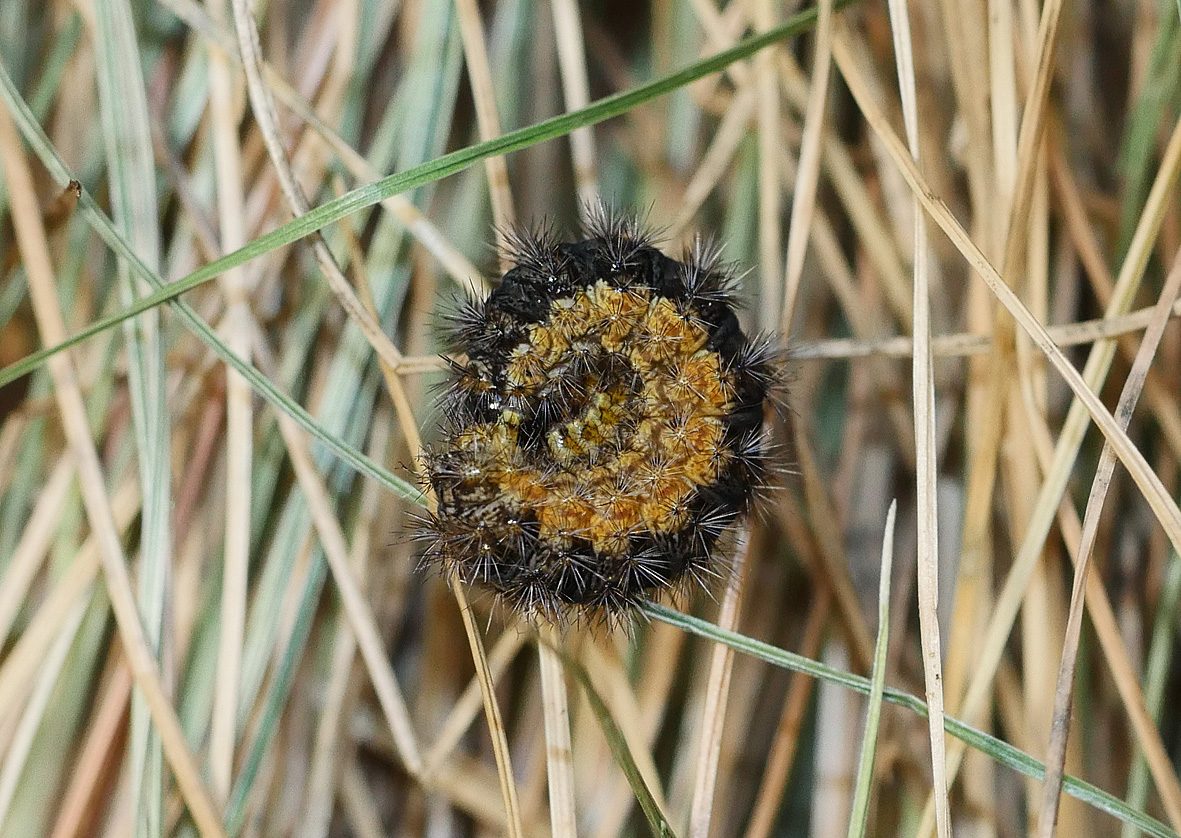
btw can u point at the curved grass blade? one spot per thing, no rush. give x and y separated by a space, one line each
860 810
370 194
1002 752
263 385
1156 673
619 749
276 696
123 111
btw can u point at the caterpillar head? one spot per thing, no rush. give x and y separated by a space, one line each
602 431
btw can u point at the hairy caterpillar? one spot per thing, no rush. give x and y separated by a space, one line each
602 428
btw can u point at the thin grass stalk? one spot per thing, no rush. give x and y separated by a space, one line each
856 200
770 196
471 29
926 470
29 554
658 821
504 767
859 817
34 247
34 711
239 424
1086 402
791 719
636 729
324 770
559 752
1107 630
80 796
861 318
123 112
1145 117
26 654
469 702
966 344
1155 678
803 201
1158 395
822 517
576 91
717 691
1064 691
717 158
271 706
360 615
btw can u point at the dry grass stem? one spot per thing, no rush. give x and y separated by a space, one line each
717 694
576 90
926 453
803 200
957 221
471 27
1064 690
35 251
559 754
239 424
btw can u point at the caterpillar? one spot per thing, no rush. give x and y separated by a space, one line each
601 430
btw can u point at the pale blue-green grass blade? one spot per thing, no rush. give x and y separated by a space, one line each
1138 150
1002 752
370 194
657 820
131 177
859 817
263 385
1156 673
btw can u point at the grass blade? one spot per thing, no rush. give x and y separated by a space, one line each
860 813
1001 751
1156 673
123 108
365 196
618 743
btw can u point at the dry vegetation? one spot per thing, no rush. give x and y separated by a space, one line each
210 621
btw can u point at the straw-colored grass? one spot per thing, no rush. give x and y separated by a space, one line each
228 231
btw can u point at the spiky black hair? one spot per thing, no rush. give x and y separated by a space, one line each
601 436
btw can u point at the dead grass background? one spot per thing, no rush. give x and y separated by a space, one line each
961 215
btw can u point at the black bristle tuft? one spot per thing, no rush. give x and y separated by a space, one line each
602 424
534 250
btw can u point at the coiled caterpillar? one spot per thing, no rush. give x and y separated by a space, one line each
602 432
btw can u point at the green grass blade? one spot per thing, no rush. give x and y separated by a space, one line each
320 217
123 111
619 749
860 811
1002 752
276 697
263 385
365 196
1156 674
37 797
1139 147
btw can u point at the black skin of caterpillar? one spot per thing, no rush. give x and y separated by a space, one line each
487 542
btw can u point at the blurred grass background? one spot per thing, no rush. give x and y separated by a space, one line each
211 622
